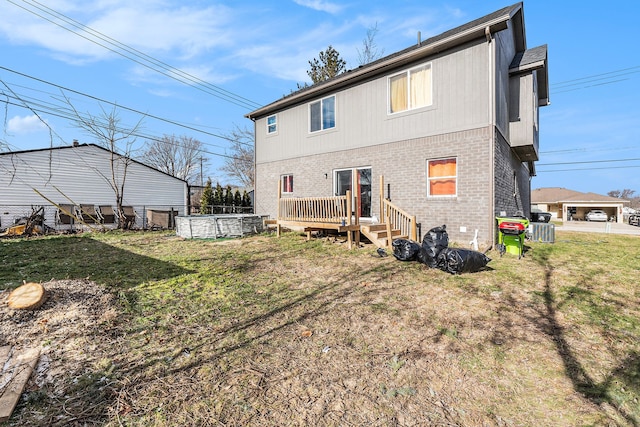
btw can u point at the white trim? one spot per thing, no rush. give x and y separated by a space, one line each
407 72
335 114
456 177
275 123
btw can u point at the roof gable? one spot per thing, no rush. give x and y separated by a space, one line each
558 194
81 147
534 59
493 22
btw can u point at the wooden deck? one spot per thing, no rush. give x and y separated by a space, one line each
319 213
336 213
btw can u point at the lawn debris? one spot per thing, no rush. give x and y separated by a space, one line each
28 226
16 370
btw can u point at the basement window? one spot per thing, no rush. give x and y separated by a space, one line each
442 177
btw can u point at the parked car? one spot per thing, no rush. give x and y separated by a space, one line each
634 219
539 216
596 215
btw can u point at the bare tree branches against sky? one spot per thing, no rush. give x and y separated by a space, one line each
205 65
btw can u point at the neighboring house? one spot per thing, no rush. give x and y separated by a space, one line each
451 123
568 205
81 175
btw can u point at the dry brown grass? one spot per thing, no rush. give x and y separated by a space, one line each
273 332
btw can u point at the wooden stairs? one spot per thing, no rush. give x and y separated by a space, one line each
379 234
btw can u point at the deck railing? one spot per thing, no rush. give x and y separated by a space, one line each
333 210
396 218
399 220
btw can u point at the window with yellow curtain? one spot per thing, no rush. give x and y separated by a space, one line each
410 89
442 177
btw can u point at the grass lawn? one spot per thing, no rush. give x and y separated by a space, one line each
264 331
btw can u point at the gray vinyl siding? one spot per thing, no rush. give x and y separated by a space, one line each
470 119
82 175
524 114
460 101
505 51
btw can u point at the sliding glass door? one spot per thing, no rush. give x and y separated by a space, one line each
358 180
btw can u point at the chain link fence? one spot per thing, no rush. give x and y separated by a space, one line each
69 217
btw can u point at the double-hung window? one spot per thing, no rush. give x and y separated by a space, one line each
442 177
286 182
410 89
322 114
272 124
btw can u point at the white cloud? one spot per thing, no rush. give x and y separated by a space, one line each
26 124
320 5
152 27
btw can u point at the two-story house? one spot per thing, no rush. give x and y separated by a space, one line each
451 124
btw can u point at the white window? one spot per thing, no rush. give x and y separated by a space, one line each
322 114
286 182
272 124
442 177
410 89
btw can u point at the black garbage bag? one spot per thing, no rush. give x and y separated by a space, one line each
434 241
423 258
456 261
405 250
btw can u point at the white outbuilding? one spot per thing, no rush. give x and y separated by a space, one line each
74 186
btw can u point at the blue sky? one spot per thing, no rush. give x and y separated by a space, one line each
251 53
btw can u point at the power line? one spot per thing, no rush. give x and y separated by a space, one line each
586 169
587 162
563 83
573 150
594 80
116 105
137 56
136 134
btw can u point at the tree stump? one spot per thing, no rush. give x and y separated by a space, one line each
29 296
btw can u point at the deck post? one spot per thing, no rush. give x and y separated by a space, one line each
348 212
278 227
414 229
387 220
381 198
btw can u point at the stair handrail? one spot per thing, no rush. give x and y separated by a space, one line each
397 218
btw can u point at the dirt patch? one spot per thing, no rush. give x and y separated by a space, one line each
71 329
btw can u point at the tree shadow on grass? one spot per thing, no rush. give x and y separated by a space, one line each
72 257
285 314
625 377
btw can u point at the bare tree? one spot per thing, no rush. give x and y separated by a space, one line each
106 129
181 156
370 51
627 193
239 165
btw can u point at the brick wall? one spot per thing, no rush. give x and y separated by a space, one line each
403 165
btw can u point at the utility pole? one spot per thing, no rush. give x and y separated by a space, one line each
201 176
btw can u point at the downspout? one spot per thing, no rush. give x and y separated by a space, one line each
492 145
255 165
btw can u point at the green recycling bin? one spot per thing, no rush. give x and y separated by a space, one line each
511 233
